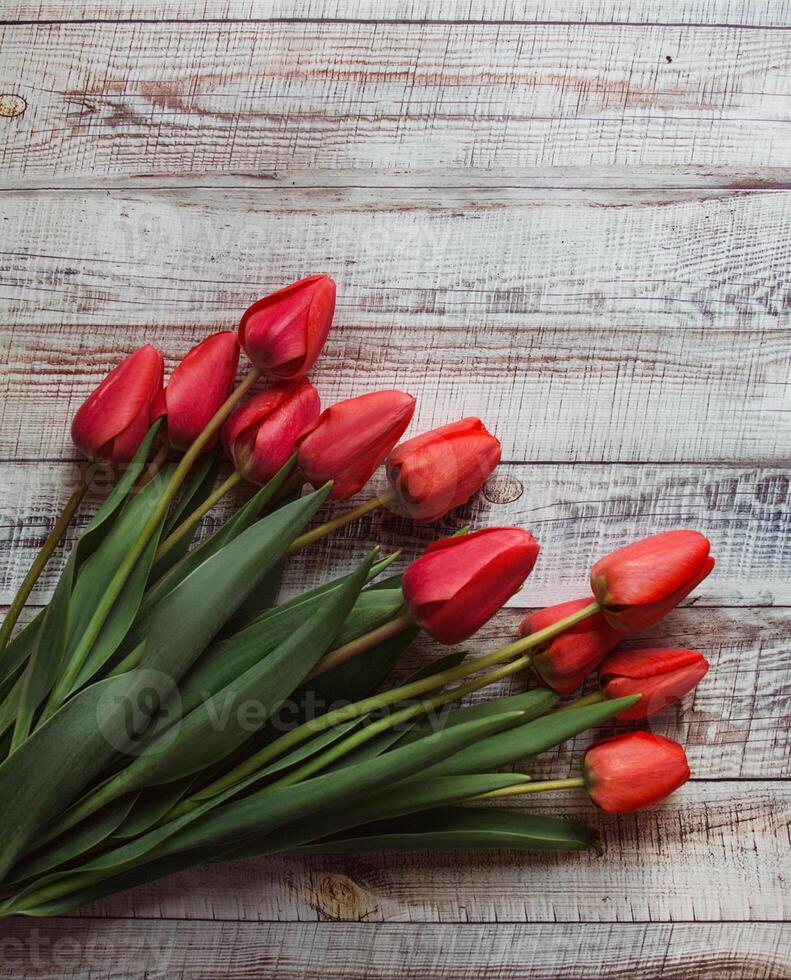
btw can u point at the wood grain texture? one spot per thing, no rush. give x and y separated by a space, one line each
698 12
578 513
132 98
582 325
732 836
113 950
571 219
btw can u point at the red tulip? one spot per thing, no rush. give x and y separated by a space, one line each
439 470
661 676
351 438
566 660
633 771
114 419
638 584
460 583
261 434
283 333
197 388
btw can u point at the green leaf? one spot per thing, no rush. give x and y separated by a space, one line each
230 657
405 797
80 588
67 753
506 747
75 842
156 852
101 568
381 743
236 525
195 491
151 805
18 652
358 677
532 703
217 726
467 828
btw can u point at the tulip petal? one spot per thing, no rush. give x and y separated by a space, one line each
199 386
116 403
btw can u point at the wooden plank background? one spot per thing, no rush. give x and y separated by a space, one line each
573 219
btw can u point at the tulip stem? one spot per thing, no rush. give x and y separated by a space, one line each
356 710
154 467
105 605
354 647
39 562
351 515
197 515
594 698
545 785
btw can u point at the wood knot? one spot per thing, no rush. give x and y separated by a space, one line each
337 897
503 489
11 105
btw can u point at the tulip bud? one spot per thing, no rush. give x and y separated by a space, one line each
459 583
633 771
565 661
260 435
441 469
660 676
114 419
283 333
351 438
637 585
197 389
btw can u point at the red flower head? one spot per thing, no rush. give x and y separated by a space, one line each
633 771
566 660
441 469
197 388
661 676
261 434
638 584
114 419
351 438
283 333
460 583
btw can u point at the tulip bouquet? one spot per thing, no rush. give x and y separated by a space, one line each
143 712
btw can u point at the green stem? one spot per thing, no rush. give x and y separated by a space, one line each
594 698
339 716
196 516
118 581
351 515
545 785
365 642
39 562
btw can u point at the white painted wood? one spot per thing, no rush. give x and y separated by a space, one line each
113 950
580 325
544 222
713 12
141 98
578 513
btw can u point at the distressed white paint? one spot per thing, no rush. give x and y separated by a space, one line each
541 221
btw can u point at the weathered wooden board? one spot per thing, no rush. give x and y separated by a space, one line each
578 513
118 950
581 325
697 12
131 98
